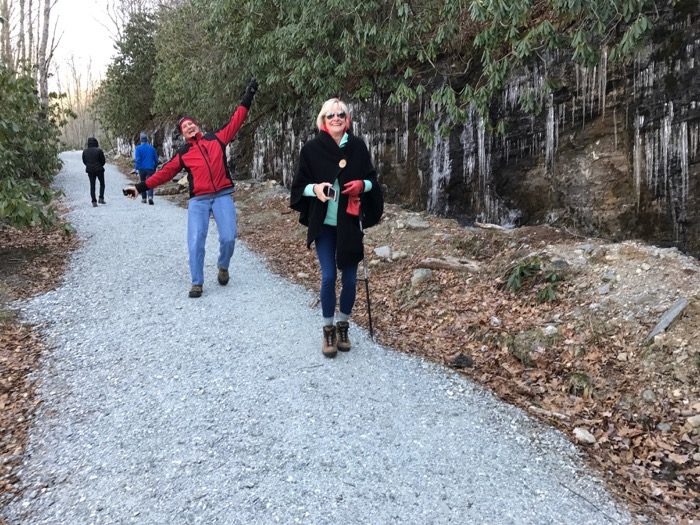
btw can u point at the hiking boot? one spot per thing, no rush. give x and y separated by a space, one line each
150 201
222 277
94 204
343 340
101 201
329 348
195 291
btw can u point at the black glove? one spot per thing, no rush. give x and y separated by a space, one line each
250 91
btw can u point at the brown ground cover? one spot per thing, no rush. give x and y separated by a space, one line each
31 262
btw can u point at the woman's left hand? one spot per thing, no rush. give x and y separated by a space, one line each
353 188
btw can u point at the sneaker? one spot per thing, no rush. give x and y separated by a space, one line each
94 204
101 201
195 291
143 201
343 339
329 348
150 201
222 277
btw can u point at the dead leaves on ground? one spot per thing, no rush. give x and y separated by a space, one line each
31 262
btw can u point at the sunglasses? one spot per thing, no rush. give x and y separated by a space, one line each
330 116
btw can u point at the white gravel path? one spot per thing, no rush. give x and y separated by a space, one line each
160 409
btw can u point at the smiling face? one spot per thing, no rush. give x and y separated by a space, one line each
189 129
336 121
334 118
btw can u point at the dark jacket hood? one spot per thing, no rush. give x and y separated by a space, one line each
92 143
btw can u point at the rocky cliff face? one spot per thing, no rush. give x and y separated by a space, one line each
614 151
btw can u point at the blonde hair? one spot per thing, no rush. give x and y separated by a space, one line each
327 107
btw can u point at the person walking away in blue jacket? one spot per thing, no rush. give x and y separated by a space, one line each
145 162
94 160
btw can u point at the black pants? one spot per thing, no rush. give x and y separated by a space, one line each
93 176
143 175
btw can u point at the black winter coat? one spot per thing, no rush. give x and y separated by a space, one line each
319 161
93 157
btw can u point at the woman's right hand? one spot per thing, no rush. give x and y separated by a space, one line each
318 191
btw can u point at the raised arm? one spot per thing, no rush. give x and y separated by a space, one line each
229 131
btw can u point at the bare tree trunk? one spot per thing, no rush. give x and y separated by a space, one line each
5 28
21 39
30 32
43 59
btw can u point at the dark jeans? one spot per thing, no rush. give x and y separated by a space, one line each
143 175
101 177
325 249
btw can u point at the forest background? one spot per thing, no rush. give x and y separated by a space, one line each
193 57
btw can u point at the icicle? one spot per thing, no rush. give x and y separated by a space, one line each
259 153
125 147
650 143
583 96
440 170
168 146
635 76
637 152
405 108
538 83
556 131
693 141
682 149
481 152
549 142
603 81
468 146
593 91
573 99
666 142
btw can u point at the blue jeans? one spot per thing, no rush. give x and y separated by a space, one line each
198 210
325 250
143 175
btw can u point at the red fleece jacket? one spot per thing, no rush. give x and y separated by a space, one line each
204 159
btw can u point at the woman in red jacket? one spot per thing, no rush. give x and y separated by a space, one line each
203 157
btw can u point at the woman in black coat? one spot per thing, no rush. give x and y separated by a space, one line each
336 193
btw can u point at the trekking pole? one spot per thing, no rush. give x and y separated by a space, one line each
369 306
366 279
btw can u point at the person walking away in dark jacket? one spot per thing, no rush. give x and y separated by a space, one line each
336 193
94 160
203 157
145 163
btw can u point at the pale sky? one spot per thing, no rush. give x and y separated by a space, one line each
86 34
